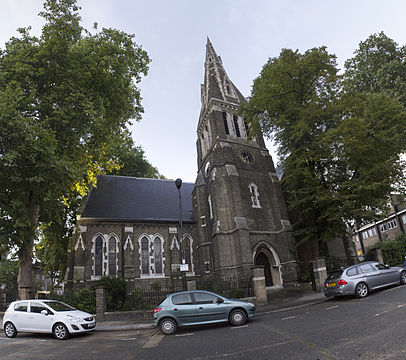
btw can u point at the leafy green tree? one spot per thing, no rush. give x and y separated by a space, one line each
378 65
8 275
131 161
339 149
65 100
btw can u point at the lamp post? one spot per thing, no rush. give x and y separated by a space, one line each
178 183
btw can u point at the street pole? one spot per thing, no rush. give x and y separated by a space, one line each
178 183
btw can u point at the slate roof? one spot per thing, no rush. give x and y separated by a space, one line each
138 199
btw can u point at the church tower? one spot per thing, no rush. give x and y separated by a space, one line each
238 203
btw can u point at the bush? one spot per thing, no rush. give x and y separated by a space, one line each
115 292
393 251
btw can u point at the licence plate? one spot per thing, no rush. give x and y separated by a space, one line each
331 284
90 326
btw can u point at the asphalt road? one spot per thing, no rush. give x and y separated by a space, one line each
373 328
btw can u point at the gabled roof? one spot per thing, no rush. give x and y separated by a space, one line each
137 199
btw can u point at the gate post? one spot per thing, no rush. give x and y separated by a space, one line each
100 304
258 280
320 273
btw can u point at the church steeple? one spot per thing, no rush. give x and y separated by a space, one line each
217 84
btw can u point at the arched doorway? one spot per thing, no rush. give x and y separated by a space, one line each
266 256
262 259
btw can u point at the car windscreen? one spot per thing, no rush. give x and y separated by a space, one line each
59 306
334 275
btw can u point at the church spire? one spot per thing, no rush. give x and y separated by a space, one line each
217 84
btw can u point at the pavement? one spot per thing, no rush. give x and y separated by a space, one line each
278 300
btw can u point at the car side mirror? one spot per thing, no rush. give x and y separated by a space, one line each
387 266
220 301
44 312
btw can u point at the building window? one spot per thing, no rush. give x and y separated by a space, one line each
210 208
364 235
98 256
404 219
144 256
392 224
227 130
246 128
112 256
371 232
158 255
254 195
236 126
383 227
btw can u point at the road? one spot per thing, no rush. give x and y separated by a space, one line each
373 328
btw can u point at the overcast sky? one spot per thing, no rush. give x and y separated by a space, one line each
245 33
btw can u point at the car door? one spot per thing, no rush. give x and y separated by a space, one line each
389 275
183 308
372 275
209 308
20 316
38 322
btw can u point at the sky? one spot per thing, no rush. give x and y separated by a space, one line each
245 33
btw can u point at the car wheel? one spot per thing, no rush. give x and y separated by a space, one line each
10 330
60 331
361 290
168 326
403 277
237 317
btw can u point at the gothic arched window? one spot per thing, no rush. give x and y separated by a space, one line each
236 126
187 245
158 255
144 256
98 256
227 130
254 195
112 255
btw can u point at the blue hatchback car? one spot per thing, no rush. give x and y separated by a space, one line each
200 307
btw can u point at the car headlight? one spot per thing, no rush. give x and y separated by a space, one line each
251 304
74 319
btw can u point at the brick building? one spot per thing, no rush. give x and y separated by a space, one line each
234 215
385 229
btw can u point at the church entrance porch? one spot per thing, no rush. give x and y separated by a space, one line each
267 257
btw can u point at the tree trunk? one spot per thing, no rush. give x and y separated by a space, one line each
25 272
25 253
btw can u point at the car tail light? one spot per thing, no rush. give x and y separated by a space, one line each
342 282
325 284
157 309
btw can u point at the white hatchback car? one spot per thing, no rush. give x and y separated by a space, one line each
46 316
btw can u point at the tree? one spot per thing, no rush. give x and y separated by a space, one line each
339 149
8 276
65 100
378 65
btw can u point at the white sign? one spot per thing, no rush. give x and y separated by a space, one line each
184 267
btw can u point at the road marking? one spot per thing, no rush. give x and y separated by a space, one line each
153 341
377 314
332 307
238 327
187 334
288 318
128 339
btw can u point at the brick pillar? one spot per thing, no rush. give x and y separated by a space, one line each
258 279
191 284
379 256
320 273
100 304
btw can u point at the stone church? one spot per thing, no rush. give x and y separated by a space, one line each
233 216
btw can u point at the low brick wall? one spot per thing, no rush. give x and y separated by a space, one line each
128 315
